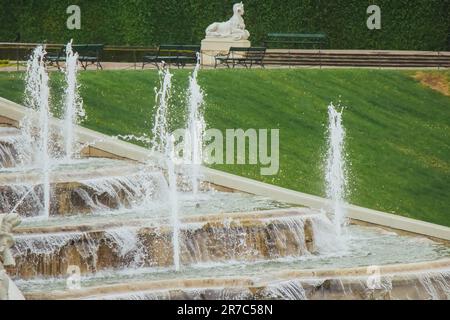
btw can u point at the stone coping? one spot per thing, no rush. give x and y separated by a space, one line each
95 226
122 149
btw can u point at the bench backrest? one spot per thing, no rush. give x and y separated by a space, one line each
248 52
310 39
88 49
176 50
318 36
256 53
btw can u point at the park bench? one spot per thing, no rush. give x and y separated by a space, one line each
179 55
245 56
304 40
87 54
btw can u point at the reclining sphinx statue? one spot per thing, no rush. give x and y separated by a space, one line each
8 222
234 28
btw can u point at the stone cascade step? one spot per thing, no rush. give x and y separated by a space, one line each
84 186
423 280
140 243
12 152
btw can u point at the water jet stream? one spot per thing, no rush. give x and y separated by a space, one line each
195 128
336 180
72 102
38 94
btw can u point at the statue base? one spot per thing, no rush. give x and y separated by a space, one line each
212 46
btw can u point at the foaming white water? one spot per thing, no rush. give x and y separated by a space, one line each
73 104
195 128
286 290
336 180
37 97
326 240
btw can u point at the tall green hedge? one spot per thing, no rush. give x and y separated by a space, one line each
406 24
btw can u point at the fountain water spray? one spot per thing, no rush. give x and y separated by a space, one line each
160 125
195 128
335 167
37 97
173 199
163 142
74 111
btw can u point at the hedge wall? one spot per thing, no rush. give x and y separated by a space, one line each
406 24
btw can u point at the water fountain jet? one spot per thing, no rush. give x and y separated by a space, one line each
73 103
38 95
336 180
195 128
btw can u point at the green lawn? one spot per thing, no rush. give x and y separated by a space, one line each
397 130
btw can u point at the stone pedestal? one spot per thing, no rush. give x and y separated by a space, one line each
212 46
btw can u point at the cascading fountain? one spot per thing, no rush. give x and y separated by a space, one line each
38 96
119 220
195 128
336 180
73 104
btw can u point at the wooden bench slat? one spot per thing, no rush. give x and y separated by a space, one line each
87 53
178 54
248 56
318 38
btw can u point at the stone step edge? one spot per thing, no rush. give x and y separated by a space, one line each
259 215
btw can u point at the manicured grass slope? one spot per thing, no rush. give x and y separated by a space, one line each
397 129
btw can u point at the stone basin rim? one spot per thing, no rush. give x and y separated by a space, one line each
259 215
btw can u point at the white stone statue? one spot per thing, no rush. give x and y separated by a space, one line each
7 224
233 28
4 284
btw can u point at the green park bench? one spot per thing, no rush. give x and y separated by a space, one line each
179 55
245 56
309 40
87 54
